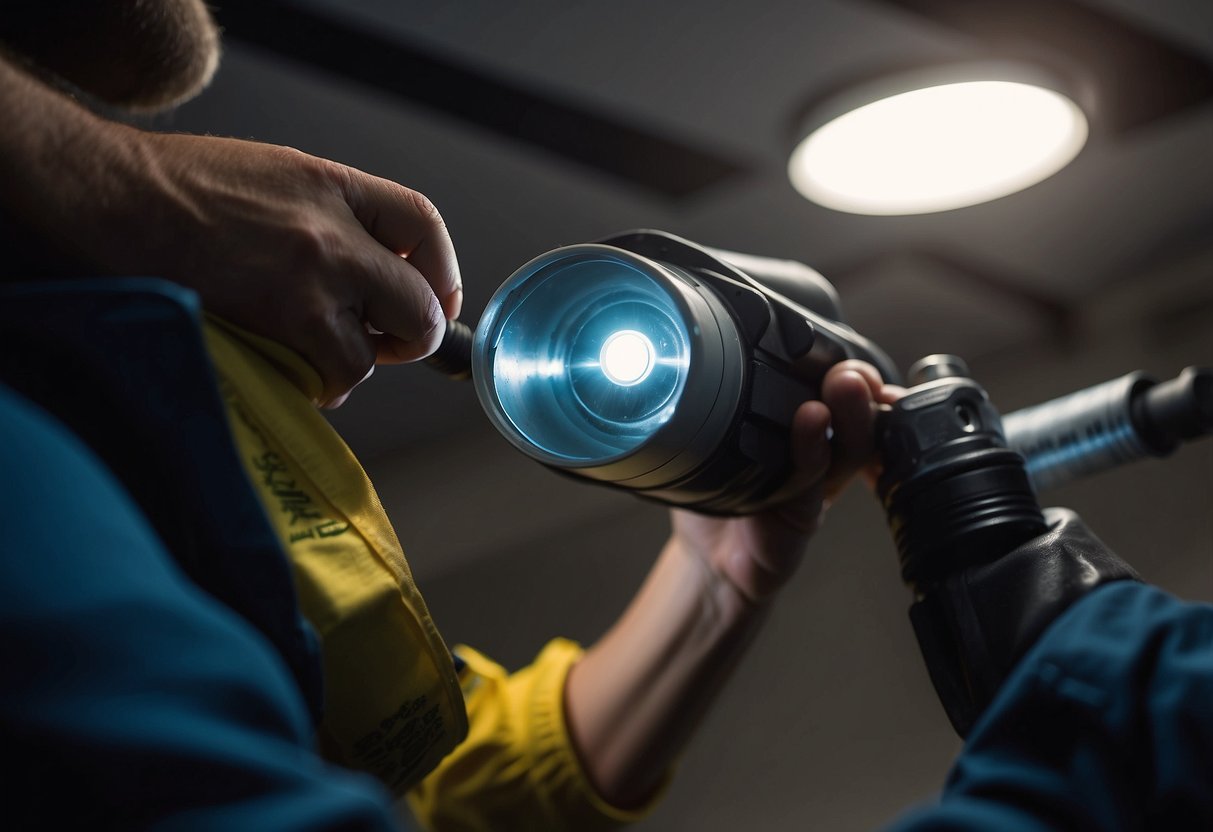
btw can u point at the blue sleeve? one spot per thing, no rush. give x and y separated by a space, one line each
1107 723
128 698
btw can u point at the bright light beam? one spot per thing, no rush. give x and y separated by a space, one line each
627 357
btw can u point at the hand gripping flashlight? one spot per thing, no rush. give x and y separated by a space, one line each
655 365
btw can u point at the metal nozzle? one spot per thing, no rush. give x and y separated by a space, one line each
1110 424
938 366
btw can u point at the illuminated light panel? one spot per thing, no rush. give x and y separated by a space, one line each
938 148
627 357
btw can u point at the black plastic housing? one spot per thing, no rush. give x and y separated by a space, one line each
954 494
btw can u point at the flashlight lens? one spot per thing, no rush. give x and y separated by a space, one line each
623 379
587 355
627 357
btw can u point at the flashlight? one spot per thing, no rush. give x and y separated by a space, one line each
652 364
672 370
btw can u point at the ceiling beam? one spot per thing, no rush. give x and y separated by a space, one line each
388 63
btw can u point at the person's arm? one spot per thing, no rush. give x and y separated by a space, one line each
634 699
1105 724
129 697
304 251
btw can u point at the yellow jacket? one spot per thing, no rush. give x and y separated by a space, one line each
484 749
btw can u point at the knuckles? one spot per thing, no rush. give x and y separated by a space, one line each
312 241
313 269
304 164
425 209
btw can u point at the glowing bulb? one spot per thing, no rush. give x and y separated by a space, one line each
627 357
939 148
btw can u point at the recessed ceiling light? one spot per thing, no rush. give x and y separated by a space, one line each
938 147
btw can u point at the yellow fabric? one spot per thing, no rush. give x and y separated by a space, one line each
517 770
393 704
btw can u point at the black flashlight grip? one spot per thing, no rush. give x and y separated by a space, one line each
454 355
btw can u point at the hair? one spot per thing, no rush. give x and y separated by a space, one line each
142 56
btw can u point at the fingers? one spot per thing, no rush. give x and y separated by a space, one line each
337 344
890 393
810 444
364 285
824 464
801 514
403 282
869 373
308 253
850 390
340 399
407 224
400 303
392 350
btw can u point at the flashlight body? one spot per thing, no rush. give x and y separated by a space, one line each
708 427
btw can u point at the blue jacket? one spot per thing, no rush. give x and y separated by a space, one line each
154 668
129 698
1106 723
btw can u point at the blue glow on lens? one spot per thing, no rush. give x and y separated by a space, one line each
513 368
590 356
620 407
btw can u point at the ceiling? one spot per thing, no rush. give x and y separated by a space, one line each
1036 289
728 79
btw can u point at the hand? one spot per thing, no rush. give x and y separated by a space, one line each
756 555
636 696
345 268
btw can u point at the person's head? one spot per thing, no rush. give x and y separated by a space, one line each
137 55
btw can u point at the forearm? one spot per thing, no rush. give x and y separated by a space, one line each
60 164
634 699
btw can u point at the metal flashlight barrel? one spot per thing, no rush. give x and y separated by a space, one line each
1119 421
537 370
